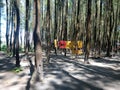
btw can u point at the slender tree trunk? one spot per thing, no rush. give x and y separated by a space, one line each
77 26
7 26
55 27
65 23
100 26
14 24
110 25
17 33
0 28
88 31
48 31
95 27
115 31
26 28
37 41
11 24
1 5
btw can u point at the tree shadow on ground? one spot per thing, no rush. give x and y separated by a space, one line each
107 61
102 74
31 73
12 78
73 84
66 80
105 71
6 64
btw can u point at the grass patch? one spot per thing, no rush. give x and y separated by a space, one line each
17 69
4 48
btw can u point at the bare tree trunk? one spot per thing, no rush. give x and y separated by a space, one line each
0 28
55 27
100 26
14 23
17 33
65 23
37 42
11 21
7 26
48 37
1 5
95 27
115 31
87 43
110 26
26 29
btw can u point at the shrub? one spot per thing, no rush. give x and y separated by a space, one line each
4 48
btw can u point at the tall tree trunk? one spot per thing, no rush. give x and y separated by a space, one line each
1 5
55 27
77 26
115 29
48 31
0 28
88 31
16 3
14 27
26 28
95 27
7 26
99 27
78 20
110 25
65 23
37 41
11 25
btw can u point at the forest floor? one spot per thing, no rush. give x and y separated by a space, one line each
63 73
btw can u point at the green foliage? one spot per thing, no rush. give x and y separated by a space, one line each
4 48
17 69
21 49
31 49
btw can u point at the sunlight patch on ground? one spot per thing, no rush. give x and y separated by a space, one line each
13 81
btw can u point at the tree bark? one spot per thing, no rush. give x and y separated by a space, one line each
26 29
88 31
0 28
110 26
7 26
48 37
17 32
37 41
55 26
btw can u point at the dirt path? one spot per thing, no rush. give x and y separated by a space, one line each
63 73
10 80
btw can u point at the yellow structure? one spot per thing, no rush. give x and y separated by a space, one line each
55 43
68 44
77 51
80 44
75 47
